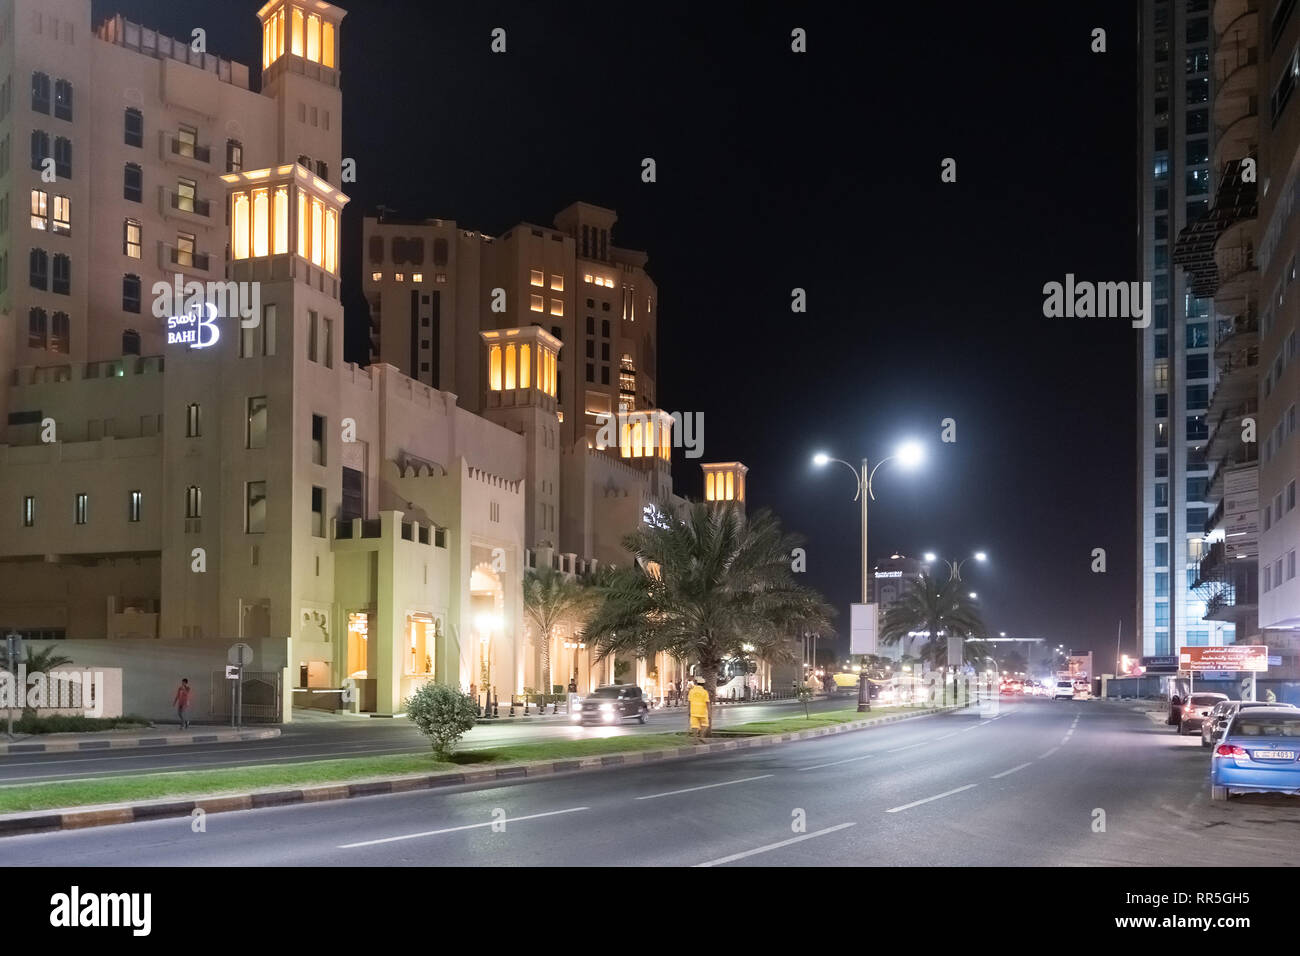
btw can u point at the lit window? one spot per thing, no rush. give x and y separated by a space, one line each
281 220
261 222
510 366
131 238
587 277
62 222
376 276
302 224
417 277
313 38
296 44
525 370
538 304
557 283
331 228
557 307
239 226
327 44
538 278
40 208
317 231
494 368
399 276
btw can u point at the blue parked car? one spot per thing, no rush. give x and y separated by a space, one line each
1258 753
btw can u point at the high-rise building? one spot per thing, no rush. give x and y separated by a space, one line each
1176 367
1218 254
1273 31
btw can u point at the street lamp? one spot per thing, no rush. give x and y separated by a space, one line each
909 454
954 567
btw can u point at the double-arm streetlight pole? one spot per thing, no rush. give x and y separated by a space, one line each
909 454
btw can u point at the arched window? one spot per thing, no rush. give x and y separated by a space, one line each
130 293
63 157
40 93
708 487
40 147
37 330
63 99
130 342
40 269
60 333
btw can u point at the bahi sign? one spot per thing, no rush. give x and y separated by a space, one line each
1230 657
197 329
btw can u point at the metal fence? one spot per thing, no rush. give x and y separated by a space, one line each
261 697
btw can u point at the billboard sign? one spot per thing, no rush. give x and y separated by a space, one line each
864 636
1229 657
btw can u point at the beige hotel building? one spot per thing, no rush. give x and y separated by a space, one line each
173 484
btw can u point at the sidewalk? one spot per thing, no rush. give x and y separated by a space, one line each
122 739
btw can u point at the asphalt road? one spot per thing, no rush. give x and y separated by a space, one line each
330 736
1026 787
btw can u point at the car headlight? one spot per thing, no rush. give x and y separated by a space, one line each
576 716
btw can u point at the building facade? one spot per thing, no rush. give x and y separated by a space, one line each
1176 364
188 461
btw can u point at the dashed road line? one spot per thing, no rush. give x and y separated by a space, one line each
707 786
1050 752
468 826
1007 773
937 796
836 763
775 846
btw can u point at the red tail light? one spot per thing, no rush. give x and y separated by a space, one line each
1229 750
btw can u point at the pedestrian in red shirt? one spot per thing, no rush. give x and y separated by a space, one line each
182 702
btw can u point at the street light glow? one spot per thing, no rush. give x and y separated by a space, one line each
929 556
821 458
973 595
981 556
910 454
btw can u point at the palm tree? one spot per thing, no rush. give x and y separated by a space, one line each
45 660
551 597
937 609
704 584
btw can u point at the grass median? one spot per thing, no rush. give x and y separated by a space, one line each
193 783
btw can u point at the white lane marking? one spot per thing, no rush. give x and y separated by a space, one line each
908 747
836 763
1069 733
775 846
1050 752
707 786
983 722
1064 740
946 736
1007 773
937 796
468 826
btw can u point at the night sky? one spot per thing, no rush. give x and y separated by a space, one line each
819 171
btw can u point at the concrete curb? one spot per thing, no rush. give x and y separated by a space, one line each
44 821
214 736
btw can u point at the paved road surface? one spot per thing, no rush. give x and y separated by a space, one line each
1022 788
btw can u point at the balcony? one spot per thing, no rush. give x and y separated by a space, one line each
174 259
1227 13
1228 586
1225 432
187 209
175 151
1245 453
1240 331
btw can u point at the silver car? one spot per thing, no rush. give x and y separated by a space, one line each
1216 721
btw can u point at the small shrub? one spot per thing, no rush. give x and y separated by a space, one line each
443 714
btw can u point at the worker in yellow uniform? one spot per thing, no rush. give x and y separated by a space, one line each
698 698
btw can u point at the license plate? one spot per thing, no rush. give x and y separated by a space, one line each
1273 754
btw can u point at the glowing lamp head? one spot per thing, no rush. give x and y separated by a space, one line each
910 454
981 556
821 458
929 557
